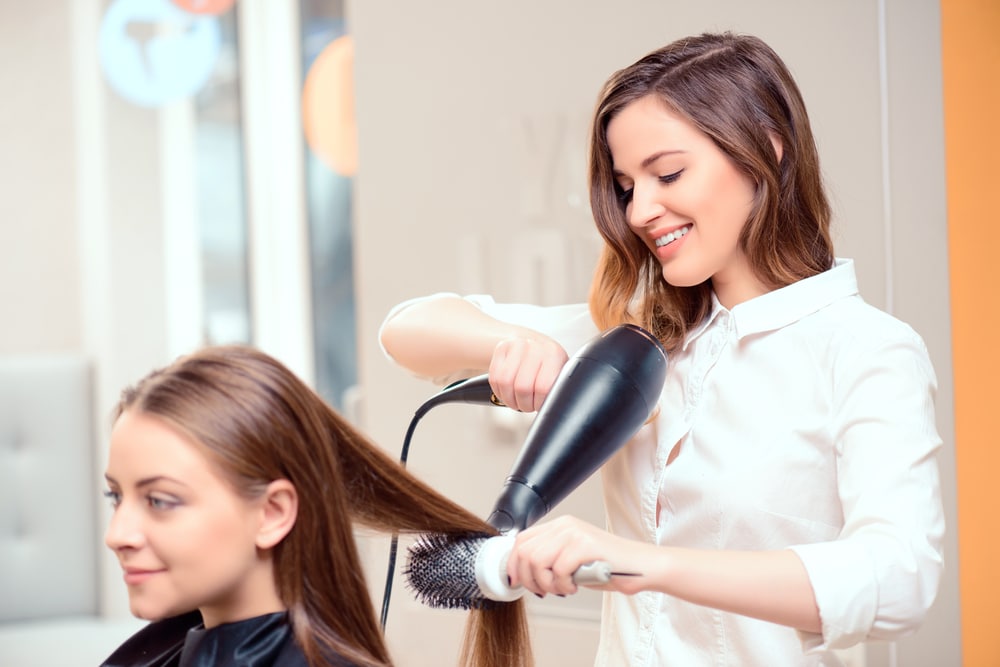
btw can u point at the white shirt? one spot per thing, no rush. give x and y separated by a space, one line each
804 419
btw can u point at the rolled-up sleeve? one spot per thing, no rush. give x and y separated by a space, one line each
400 307
878 580
570 325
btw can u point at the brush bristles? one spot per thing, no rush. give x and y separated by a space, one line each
441 571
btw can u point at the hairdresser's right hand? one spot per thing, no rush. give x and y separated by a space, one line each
523 370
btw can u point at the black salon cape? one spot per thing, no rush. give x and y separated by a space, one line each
182 641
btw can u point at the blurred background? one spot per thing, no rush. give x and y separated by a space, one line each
175 173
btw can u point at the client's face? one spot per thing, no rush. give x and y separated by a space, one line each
185 539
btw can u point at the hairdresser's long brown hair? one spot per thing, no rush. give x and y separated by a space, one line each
736 90
258 422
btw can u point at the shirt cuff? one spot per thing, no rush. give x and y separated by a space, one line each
846 593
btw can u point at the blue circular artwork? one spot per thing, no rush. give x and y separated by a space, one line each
152 52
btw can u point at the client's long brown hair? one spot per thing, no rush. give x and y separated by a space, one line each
258 422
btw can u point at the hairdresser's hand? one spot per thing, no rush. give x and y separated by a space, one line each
523 370
546 555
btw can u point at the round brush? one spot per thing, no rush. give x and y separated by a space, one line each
470 571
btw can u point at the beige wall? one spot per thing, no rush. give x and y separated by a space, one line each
39 267
472 128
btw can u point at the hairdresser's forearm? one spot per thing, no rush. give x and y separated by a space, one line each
769 585
445 335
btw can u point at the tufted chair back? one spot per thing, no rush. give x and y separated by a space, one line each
49 489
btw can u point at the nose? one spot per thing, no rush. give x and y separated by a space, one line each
644 207
125 529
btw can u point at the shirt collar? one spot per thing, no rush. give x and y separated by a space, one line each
705 323
786 305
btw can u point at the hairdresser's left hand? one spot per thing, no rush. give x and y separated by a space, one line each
546 555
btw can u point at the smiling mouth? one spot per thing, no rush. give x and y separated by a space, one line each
667 239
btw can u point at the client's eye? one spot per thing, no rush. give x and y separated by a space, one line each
114 497
161 504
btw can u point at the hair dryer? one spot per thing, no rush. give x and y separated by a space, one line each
602 396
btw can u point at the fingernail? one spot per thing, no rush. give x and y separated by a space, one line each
508 580
560 595
539 596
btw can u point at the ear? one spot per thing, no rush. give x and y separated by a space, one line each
279 509
776 142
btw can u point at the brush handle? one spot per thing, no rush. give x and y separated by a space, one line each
491 570
597 572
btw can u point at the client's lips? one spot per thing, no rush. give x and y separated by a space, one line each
134 575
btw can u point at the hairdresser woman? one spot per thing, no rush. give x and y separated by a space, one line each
784 502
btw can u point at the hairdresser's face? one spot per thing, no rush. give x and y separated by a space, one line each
183 536
684 198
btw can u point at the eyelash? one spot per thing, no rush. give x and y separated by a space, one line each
159 504
670 178
114 497
625 196
156 504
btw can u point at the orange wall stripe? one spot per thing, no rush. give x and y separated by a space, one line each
970 41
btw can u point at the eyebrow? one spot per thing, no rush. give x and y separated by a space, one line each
146 481
649 160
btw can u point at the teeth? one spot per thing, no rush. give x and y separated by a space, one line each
671 237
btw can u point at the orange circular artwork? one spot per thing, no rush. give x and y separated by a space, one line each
214 7
328 107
